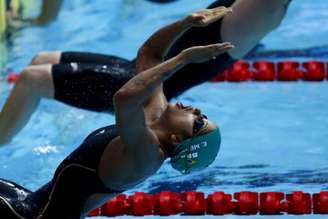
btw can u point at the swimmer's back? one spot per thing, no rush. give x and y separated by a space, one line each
74 182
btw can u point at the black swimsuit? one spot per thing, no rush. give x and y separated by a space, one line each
93 82
75 180
89 81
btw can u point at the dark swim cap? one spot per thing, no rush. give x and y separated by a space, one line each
196 153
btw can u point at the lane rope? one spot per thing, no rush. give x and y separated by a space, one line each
218 203
242 71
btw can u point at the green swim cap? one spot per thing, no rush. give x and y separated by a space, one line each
196 153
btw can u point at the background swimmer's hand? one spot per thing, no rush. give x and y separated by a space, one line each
205 17
199 54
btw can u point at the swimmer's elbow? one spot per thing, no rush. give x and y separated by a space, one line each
118 98
148 55
143 53
122 98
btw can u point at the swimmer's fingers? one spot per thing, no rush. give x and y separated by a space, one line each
215 50
199 54
221 10
208 16
216 14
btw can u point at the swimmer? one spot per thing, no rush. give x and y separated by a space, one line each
148 130
56 75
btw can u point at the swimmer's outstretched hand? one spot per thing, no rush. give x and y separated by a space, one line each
205 17
199 54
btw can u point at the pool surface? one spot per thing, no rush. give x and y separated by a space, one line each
274 134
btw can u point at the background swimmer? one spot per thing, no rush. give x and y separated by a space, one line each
48 13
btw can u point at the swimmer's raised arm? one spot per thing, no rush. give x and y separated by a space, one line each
137 90
129 100
155 48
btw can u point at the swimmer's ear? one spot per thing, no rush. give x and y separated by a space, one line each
176 139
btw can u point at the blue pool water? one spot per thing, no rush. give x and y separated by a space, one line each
274 134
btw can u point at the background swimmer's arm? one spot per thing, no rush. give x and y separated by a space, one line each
49 12
155 48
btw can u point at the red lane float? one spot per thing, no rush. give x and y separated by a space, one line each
140 204
116 206
12 77
289 71
265 71
299 203
239 72
247 203
320 203
274 71
167 203
194 203
218 203
315 71
271 203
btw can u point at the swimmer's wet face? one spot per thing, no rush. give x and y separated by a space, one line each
198 139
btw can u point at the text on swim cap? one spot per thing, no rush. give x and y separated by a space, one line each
190 156
198 146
